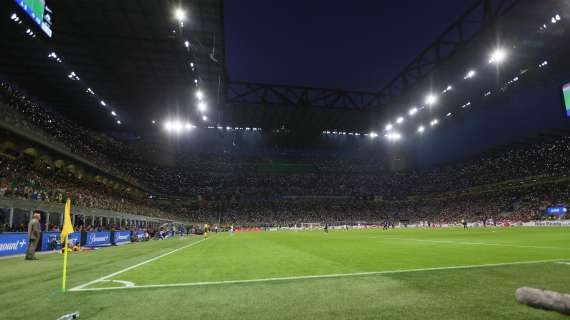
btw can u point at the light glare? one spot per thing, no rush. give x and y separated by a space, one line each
470 74
202 106
180 14
431 99
498 56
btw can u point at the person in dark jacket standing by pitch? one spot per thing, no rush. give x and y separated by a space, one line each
34 232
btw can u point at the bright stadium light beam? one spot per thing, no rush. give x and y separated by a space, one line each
393 136
413 111
204 118
470 74
202 106
199 95
421 129
373 135
498 56
103 103
180 14
400 120
389 127
431 99
175 126
113 113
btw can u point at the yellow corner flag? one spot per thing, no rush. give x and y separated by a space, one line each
67 225
65 231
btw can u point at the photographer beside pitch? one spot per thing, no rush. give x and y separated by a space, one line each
34 235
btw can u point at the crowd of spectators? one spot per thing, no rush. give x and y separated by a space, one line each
21 111
522 204
232 188
21 179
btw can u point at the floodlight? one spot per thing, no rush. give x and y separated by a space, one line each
187 44
421 129
202 106
103 103
498 56
113 113
413 111
118 121
395 136
373 135
431 99
434 122
470 74
557 17
204 118
199 95
400 120
389 127
180 14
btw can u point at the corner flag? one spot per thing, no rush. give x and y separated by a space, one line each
67 225
65 231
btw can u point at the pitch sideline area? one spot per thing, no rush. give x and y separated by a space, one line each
120 280
366 274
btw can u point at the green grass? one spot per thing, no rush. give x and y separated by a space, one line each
30 290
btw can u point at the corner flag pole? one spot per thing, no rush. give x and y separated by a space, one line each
65 231
64 278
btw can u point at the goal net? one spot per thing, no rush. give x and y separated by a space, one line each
310 225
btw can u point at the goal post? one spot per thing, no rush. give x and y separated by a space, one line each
311 225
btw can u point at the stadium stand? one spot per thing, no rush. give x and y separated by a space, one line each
515 182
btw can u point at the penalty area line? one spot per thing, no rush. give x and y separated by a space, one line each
323 276
102 279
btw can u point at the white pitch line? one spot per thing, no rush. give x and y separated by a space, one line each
123 282
323 276
472 243
566 263
80 287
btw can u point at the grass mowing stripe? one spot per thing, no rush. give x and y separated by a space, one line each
324 276
472 243
135 266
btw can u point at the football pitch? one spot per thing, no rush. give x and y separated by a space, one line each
359 274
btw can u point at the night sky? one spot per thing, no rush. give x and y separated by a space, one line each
357 45
362 45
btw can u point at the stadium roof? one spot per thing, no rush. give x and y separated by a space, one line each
133 55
